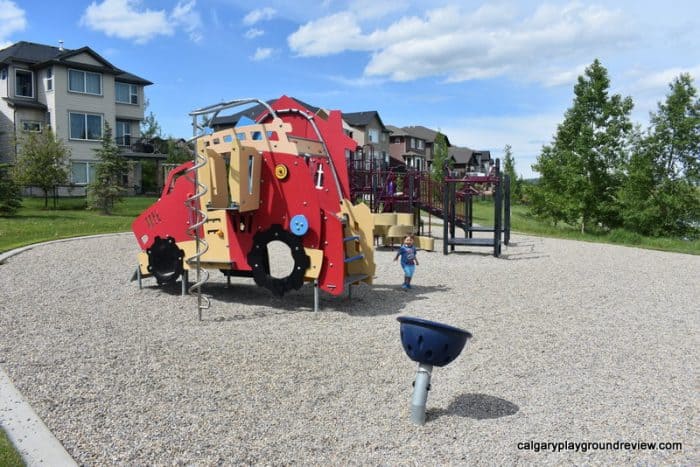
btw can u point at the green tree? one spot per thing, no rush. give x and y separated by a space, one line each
42 161
661 196
440 157
10 194
178 151
516 183
107 188
582 170
150 128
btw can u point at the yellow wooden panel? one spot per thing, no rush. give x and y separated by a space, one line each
244 177
213 176
314 269
361 224
404 218
385 218
424 243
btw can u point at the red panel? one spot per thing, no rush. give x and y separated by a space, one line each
169 216
332 278
280 200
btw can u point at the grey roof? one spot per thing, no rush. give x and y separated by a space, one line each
39 55
359 119
468 156
460 155
396 131
424 133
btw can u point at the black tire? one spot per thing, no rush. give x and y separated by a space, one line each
259 261
165 260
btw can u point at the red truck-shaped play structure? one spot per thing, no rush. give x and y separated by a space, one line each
283 178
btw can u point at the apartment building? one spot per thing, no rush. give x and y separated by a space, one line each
74 92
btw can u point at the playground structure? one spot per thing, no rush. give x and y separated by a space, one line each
283 178
402 192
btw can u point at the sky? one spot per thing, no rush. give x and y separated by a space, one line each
485 73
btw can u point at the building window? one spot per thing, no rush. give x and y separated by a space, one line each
420 144
85 82
82 173
31 125
49 79
123 133
373 135
85 126
23 83
126 93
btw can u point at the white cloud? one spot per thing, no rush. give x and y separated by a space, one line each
261 54
252 33
461 45
259 15
123 19
660 80
189 19
328 35
12 20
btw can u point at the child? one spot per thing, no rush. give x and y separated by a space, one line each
407 252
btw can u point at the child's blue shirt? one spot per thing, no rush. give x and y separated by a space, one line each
408 255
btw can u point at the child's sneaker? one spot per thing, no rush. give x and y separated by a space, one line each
408 286
405 286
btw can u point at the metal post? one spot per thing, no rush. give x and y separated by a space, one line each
445 217
316 295
138 276
498 206
453 212
185 280
420 393
471 215
506 213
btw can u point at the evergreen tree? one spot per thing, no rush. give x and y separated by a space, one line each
42 161
582 169
178 152
107 188
516 183
10 195
150 128
661 196
440 157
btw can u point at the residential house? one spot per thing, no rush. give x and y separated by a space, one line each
366 128
466 161
74 92
413 145
372 137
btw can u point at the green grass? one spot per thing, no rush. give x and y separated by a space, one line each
34 224
522 221
9 457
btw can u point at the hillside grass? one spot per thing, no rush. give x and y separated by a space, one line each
70 218
523 222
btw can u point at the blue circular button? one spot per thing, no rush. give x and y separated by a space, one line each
299 225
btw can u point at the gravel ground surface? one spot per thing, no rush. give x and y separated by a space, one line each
573 342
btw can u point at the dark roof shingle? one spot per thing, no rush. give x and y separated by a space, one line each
40 55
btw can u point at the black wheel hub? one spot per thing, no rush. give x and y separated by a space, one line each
258 260
165 260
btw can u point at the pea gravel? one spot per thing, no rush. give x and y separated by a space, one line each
572 342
